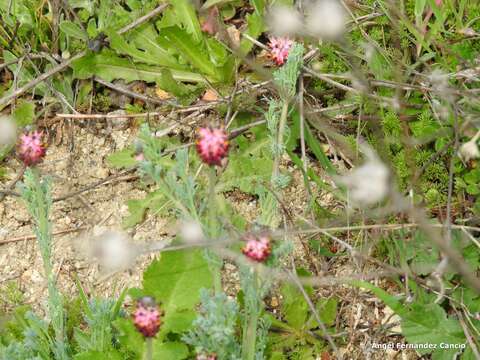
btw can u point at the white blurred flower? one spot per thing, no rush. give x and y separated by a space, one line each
191 231
284 20
367 184
112 249
358 84
370 51
326 19
439 81
8 130
440 109
469 150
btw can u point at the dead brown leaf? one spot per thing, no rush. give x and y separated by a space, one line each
210 95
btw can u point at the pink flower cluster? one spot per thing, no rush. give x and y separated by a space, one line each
212 145
279 49
31 148
257 248
147 317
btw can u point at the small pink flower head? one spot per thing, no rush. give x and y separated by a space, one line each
279 49
31 148
258 247
147 317
438 2
206 357
212 145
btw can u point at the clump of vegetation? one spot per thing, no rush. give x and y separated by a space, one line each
363 113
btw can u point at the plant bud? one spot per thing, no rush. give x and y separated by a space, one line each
147 317
31 148
258 247
212 145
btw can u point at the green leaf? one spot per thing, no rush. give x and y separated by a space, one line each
429 324
422 254
187 16
24 113
122 159
380 65
191 50
312 143
259 6
138 207
184 93
175 281
216 50
327 311
473 189
469 354
248 168
169 350
144 46
294 306
129 337
180 322
73 30
24 75
388 299
254 29
210 3
176 278
419 8
422 323
277 356
109 67
317 150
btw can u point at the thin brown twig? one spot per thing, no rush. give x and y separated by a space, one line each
10 186
142 19
107 116
322 326
13 62
33 237
379 226
468 335
133 94
8 98
96 184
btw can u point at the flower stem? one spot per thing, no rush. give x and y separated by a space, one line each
280 134
214 261
149 352
212 179
250 333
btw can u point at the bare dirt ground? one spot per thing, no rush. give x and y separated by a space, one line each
81 163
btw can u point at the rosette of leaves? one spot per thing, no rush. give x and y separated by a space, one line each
169 52
297 334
